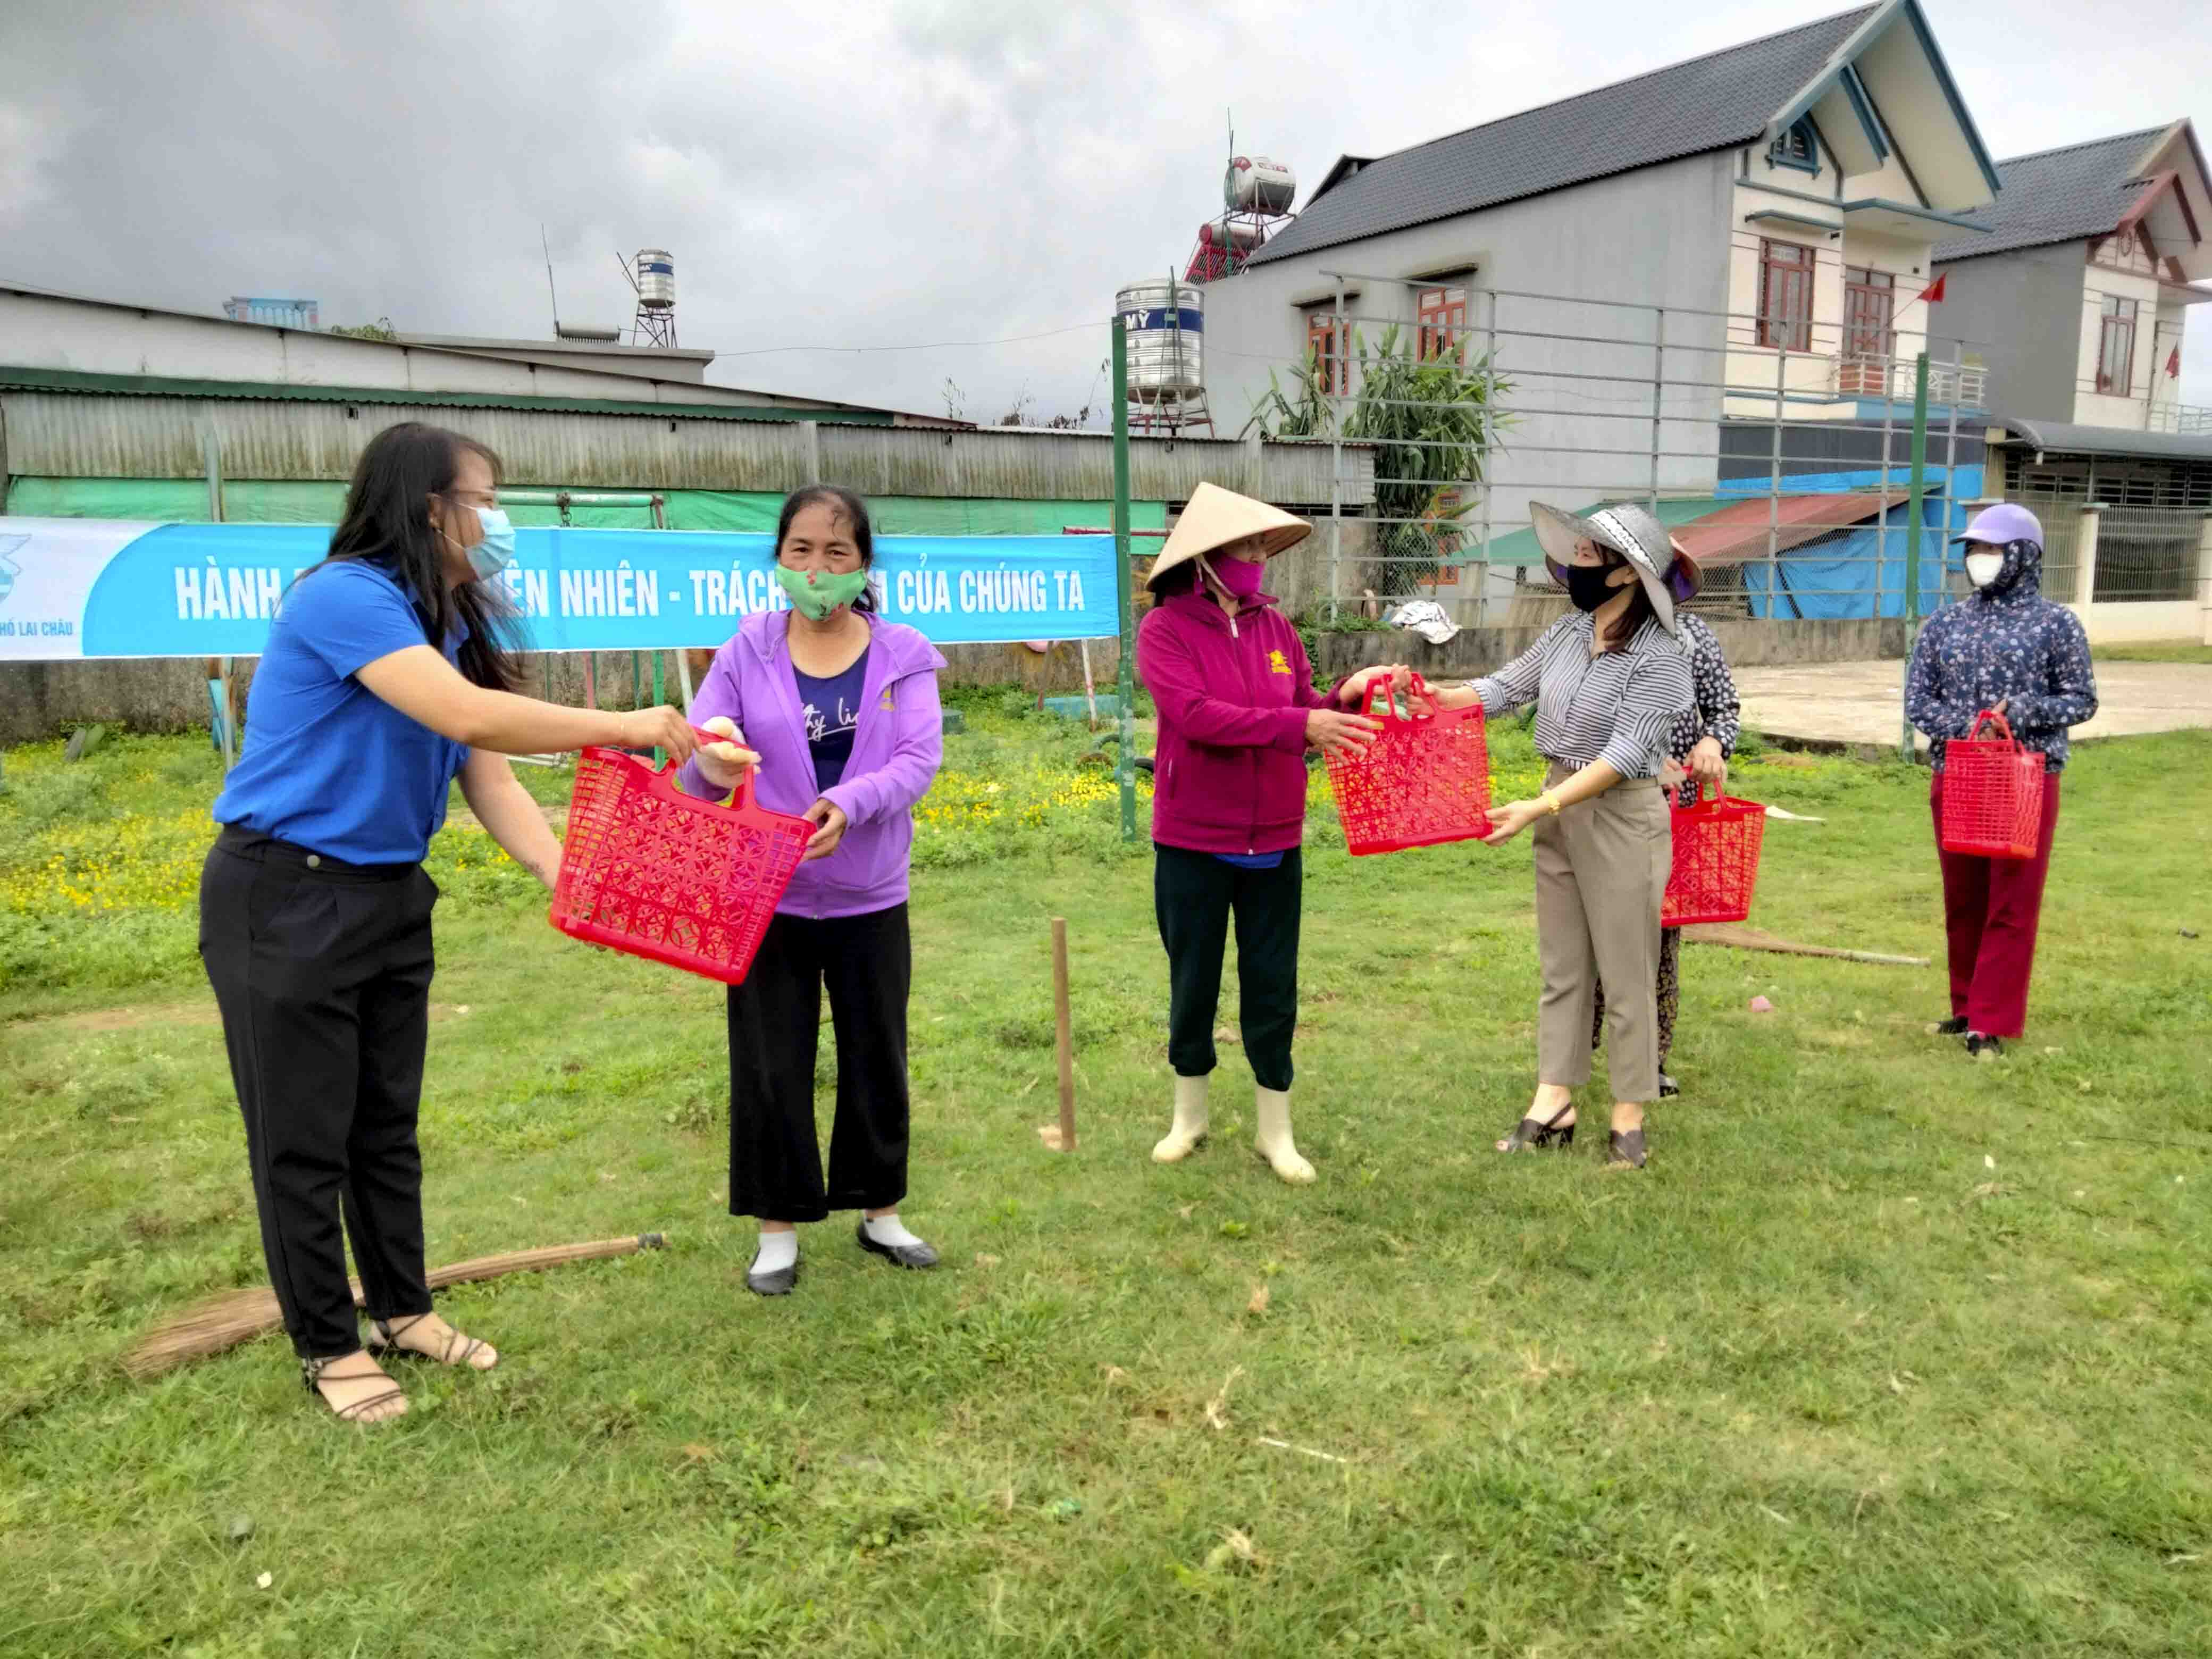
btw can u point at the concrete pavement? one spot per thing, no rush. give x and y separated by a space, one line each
1861 704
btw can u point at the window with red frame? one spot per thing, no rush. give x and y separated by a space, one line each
1325 345
1785 296
2116 347
1439 314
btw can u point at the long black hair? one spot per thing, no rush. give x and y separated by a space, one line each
388 524
843 504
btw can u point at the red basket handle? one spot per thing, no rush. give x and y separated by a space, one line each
2004 726
1419 687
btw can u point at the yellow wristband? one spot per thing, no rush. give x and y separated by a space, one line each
1551 801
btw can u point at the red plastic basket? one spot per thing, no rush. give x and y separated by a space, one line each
1424 780
651 870
1716 865
1992 793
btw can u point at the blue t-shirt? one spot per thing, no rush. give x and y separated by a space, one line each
832 710
328 765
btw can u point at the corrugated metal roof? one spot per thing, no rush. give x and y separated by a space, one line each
1740 530
1719 530
2061 438
1714 102
2057 196
73 434
151 385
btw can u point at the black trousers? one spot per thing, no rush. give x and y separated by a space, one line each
322 972
1193 895
775 1025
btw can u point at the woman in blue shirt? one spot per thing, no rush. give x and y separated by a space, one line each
387 674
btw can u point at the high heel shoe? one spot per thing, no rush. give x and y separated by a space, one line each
1624 1151
1541 1136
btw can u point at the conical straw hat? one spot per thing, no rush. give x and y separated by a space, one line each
1215 517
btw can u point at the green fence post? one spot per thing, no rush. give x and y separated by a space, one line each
1912 525
1125 766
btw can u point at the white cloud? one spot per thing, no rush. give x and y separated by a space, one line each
838 173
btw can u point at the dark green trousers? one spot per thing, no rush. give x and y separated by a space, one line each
1195 895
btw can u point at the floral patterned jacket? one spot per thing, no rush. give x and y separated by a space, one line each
1714 711
2005 641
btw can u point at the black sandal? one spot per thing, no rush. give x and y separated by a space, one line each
1626 1151
311 1372
1954 1026
384 1338
1536 1135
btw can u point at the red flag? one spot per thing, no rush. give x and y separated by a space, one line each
2174 365
1934 292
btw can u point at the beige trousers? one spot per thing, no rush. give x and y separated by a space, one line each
1602 868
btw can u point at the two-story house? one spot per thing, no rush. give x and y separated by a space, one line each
2080 284
1728 241
2080 289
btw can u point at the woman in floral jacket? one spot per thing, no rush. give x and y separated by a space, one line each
2006 647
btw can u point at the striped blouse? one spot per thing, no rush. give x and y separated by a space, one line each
1620 707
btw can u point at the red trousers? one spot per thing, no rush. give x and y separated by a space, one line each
1990 908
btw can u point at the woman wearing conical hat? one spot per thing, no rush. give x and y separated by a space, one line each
1237 713
1609 680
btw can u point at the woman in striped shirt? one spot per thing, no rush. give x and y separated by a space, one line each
1609 681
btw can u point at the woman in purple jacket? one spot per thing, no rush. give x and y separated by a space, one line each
841 709
1237 712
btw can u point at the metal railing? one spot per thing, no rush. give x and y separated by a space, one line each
1966 385
1772 465
2178 417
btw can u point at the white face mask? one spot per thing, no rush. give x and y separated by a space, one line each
1982 569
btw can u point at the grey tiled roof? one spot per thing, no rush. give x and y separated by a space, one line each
1721 100
2057 196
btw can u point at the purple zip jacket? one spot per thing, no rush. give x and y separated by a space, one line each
896 749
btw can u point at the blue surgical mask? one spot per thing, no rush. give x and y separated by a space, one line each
496 551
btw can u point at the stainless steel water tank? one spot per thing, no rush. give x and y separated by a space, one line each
1166 328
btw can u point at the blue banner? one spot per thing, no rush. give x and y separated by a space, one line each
79 587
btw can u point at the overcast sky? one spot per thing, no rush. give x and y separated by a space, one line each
839 174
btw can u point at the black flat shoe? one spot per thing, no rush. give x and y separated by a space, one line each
1626 1150
778 1283
1984 1047
1956 1026
1535 1135
915 1256
1668 1087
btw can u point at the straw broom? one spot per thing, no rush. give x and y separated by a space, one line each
219 1323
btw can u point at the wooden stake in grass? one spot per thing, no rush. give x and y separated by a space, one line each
222 1322
1060 1137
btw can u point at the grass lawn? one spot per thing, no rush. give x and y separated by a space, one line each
2155 651
1886 1353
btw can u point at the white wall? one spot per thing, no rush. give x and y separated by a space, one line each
1656 237
1753 370
2114 622
2091 407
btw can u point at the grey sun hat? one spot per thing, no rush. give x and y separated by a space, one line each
1628 530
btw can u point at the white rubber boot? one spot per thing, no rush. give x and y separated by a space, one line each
1272 1140
1189 1127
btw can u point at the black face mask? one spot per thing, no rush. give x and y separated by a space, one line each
1590 586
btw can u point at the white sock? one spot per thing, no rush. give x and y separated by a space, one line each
885 1230
777 1251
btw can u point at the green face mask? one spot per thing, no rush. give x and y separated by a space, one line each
815 593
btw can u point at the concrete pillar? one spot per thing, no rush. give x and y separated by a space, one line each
2085 557
2205 575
